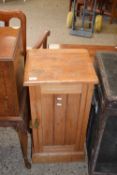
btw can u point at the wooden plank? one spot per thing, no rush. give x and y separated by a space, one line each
92 49
58 148
86 116
47 119
35 102
80 116
58 157
73 106
59 119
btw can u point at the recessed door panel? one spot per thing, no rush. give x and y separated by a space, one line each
72 113
60 119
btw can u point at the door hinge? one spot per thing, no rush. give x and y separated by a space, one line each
36 123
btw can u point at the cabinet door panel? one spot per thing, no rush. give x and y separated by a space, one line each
73 105
47 104
59 119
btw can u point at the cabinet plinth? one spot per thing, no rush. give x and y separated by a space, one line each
61 84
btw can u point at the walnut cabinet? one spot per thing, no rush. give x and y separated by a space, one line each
61 84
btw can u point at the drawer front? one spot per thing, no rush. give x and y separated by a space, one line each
62 88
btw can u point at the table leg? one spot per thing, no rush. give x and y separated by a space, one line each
24 143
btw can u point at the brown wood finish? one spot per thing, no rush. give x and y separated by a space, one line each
11 66
92 49
13 97
60 85
58 66
6 16
113 11
42 41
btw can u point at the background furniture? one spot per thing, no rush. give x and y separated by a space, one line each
13 97
104 7
60 96
113 11
102 132
5 1
6 16
14 104
92 49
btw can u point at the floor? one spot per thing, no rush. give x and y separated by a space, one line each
11 160
43 15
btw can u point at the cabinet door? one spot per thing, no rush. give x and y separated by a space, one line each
59 122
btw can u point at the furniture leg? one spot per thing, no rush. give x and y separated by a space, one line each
70 5
23 137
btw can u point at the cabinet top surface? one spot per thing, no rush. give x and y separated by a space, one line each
8 40
58 66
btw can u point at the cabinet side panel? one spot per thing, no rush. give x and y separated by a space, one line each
59 119
86 115
80 116
19 68
3 100
73 105
9 89
35 102
47 119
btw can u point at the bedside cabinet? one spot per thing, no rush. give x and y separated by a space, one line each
13 96
61 84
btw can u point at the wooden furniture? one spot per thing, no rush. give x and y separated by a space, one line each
6 16
61 84
102 133
13 104
113 11
13 97
92 49
5 1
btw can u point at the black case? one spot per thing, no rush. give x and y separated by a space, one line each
102 129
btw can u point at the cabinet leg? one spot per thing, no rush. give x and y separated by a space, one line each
24 143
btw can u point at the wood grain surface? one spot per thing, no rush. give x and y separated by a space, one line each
58 66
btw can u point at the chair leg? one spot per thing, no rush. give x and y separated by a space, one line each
70 5
23 137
